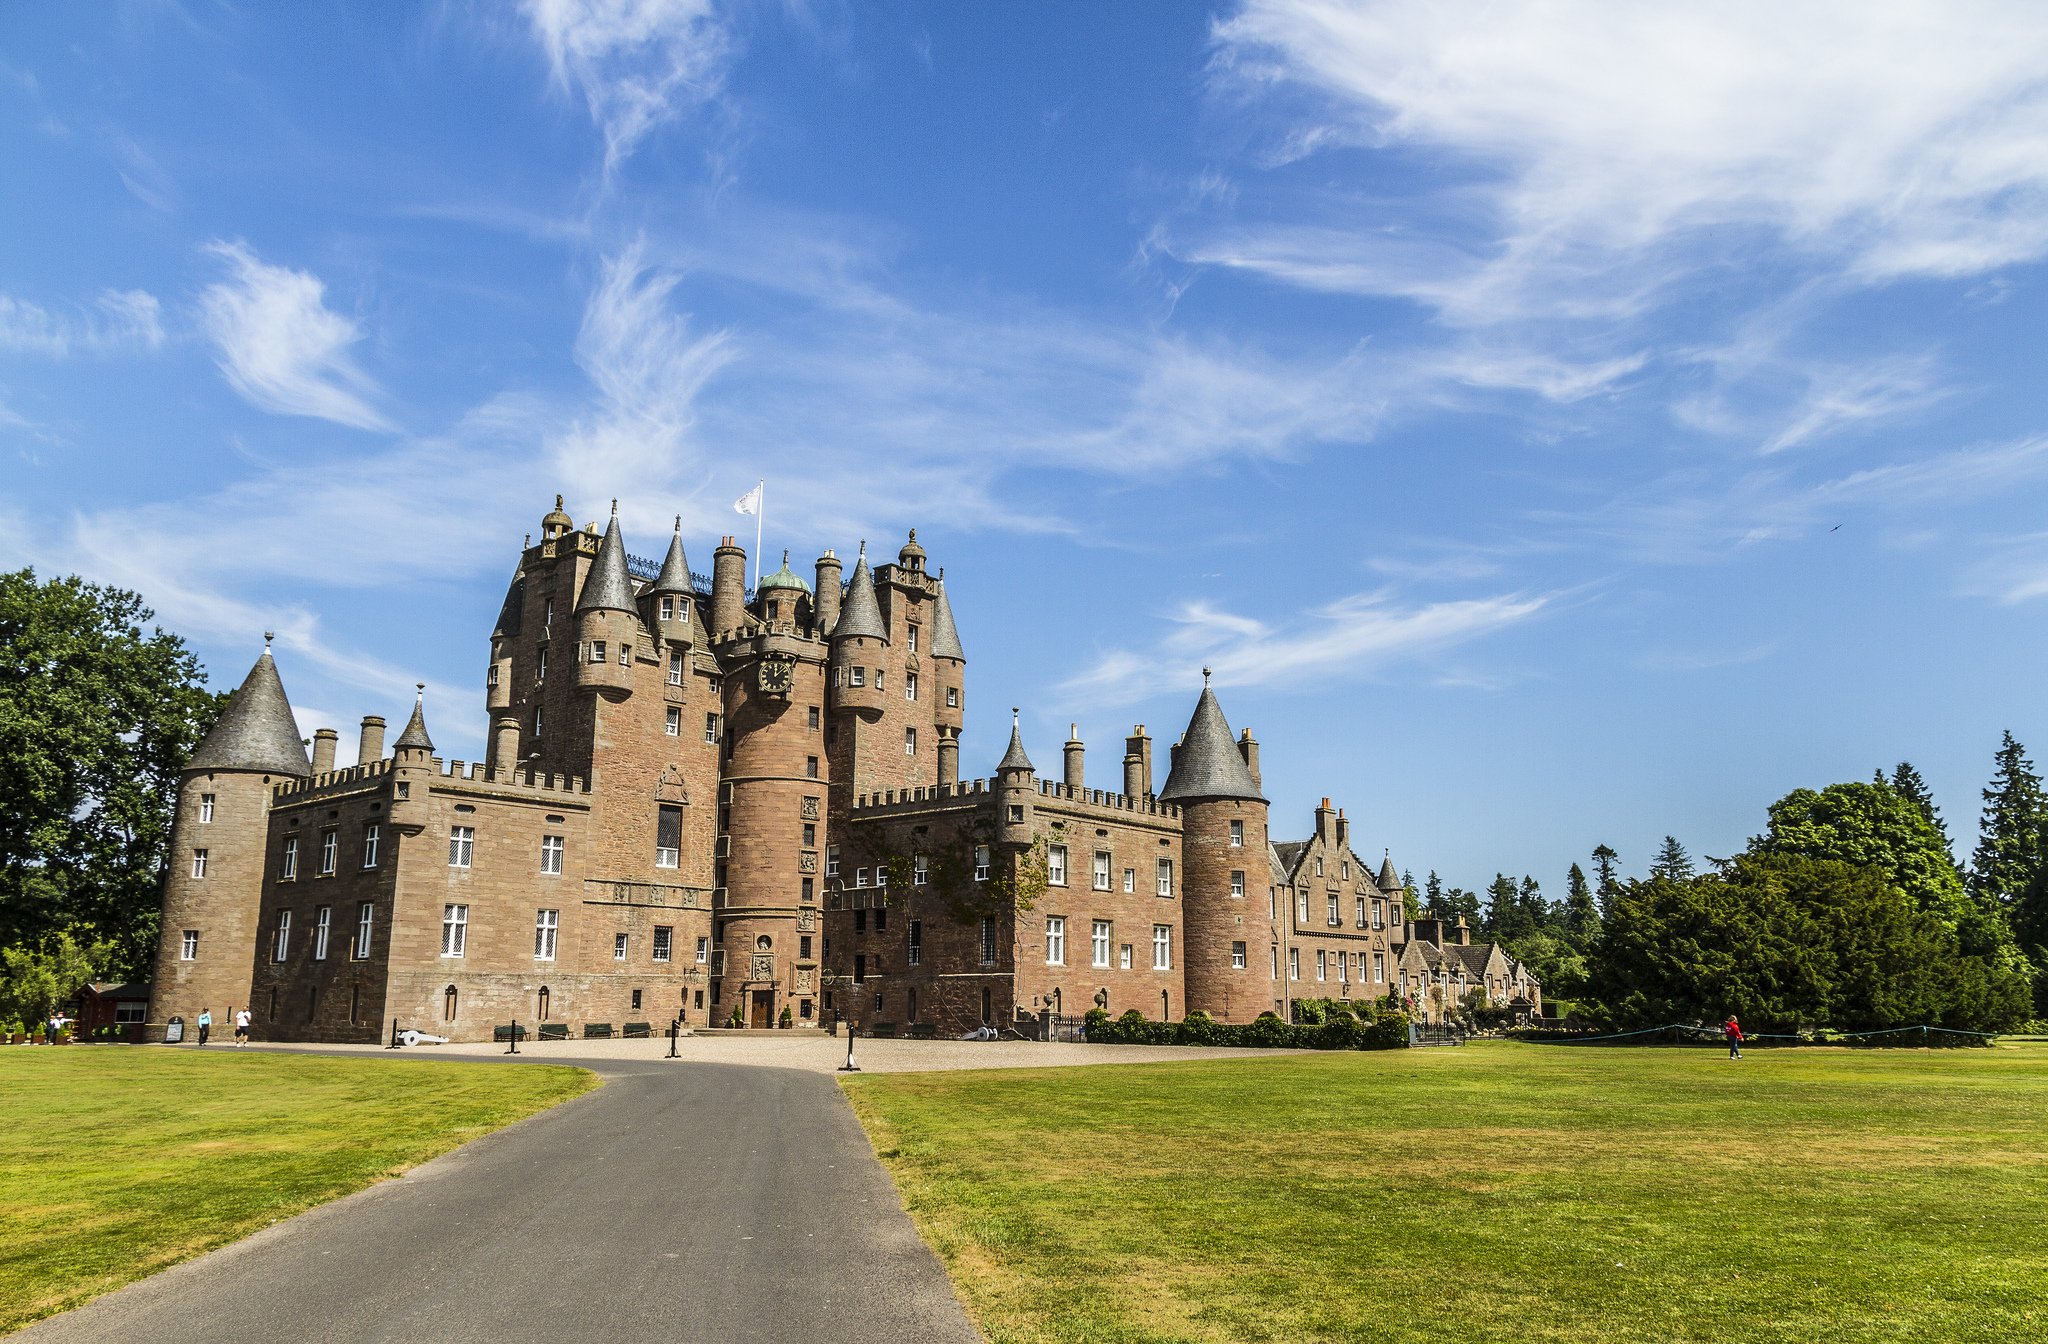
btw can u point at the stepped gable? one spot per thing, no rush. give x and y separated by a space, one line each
945 637
256 731
1014 758
415 734
1207 765
860 614
675 570
607 587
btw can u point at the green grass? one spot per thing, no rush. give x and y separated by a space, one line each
1496 1192
117 1161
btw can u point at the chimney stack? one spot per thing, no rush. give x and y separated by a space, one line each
1248 747
323 749
1138 763
371 748
1074 750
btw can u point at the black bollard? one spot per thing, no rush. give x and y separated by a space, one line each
674 1030
394 1035
514 1036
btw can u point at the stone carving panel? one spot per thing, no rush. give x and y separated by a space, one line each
803 981
807 862
806 921
810 809
761 966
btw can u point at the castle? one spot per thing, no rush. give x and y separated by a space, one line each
711 805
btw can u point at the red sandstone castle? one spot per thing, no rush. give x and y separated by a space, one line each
705 804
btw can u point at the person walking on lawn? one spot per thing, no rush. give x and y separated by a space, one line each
1733 1031
242 1027
205 1023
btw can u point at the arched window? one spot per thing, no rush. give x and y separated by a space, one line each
543 1003
448 1004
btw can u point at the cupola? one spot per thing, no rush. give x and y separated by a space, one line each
557 523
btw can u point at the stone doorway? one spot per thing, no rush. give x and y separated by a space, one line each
764 1009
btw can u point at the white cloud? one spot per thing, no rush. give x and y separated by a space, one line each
281 347
1353 635
126 320
637 63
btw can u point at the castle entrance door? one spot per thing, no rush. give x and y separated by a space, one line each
764 1008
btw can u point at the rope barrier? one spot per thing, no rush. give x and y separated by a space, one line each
1715 1033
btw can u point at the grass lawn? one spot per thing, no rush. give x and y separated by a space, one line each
116 1161
1496 1192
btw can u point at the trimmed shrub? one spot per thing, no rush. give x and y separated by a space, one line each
1383 1031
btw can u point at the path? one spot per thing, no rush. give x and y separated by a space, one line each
640 1211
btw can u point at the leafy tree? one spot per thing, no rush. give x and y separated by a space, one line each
1873 826
2009 843
34 980
1906 780
97 717
1605 861
1558 965
1672 863
1581 916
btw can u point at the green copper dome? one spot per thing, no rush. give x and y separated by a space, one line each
782 578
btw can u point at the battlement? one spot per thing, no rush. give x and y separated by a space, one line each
979 790
357 778
809 634
1148 805
331 782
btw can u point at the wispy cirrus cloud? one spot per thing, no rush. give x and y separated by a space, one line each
281 347
118 320
637 63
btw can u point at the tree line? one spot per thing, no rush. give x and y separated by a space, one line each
1849 911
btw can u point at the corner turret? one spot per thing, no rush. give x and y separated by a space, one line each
670 597
607 619
1223 842
1016 789
859 645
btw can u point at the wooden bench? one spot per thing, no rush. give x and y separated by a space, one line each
554 1031
597 1031
923 1031
507 1033
637 1031
882 1030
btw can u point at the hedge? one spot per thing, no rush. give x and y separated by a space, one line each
1385 1030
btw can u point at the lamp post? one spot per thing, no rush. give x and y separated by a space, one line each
843 985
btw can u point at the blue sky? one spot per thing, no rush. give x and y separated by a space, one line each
1554 425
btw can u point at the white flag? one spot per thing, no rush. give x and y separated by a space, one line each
750 502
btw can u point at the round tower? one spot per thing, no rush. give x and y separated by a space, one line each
859 645
948 682
1223 852
728 587
607 620
825 602
1016 791
782 597
220 831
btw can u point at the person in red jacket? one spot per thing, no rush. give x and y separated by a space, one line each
1733 1031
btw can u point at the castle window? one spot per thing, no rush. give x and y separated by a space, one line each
618 947
988 946
1379 913
774 611
710 727
1055 940
1335 915
674 727
1056 865
1294 963
330 847
1016 813
881 876
190 949
860 877
205 807
323 918
1237 882
910 741
1396 915
1301 907
881 921
547 925
668 837
859 677
1130 879
1344 871
810 834
366 915
878 678
813 725
547 616
916 942
1379 967
831 860
461 846
811 764
290 870
675 668
860 969
280 940
1166 877
664 940
952 697
1162 947
1098 943
1100 871
810 891
860 921
491 676
1276 962
920 869
668 608
910 685
1123 956
1319 865
597 651
1237 956
625 655
370 846
981 863
913 644
1361 912
1237 835
199 863
703 950
536 727
454 930
541 672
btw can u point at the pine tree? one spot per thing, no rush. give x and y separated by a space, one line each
1605 861
1434 892
1501 902
1672 864
1534 910
1582 918
1906 780
2009 836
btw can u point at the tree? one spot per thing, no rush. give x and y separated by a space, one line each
2009 836
96 720
1557 964
1906 780
1872 826
1433 892
1672 863
1532 911
34 980
1605 861
1581 916
1503 904
1459 903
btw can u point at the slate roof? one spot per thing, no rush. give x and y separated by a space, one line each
1014 758
675 570
1289 854
859 613
415 734
607 587
1389 879
256 731
1207 764
945 637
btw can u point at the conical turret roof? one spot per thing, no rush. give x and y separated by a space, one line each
1207 764
606 587
1014 758
675 570
860 614
256 731
945 638
1389 879
415 734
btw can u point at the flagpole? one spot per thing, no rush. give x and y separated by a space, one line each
760 508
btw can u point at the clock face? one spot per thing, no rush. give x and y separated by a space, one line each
777 676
